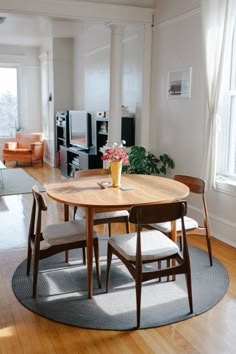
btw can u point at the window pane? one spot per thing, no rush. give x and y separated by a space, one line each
233 66
232 152
8 102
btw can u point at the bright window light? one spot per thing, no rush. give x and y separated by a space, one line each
8 101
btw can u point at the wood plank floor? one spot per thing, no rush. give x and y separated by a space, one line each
22 331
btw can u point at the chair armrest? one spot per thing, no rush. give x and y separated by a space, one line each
12 145
36 145
37 150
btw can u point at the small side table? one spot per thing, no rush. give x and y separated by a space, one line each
2 167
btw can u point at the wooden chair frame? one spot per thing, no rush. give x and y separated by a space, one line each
197 186
35 237
141 215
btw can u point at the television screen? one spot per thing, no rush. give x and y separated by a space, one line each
80 129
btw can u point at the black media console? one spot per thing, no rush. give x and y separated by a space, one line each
69 158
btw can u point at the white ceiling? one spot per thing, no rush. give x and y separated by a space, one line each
20 29
138 3
28 30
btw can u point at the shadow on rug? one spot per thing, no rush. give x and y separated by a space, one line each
62 293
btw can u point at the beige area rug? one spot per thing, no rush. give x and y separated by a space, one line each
17 181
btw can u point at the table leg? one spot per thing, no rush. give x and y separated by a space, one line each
89 230
66 218
173 235
66 212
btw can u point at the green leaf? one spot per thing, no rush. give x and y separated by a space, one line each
143 162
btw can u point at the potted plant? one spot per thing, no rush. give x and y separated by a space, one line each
143 162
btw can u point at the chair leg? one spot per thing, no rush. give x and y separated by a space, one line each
29 256
208 239
109 258
168 266
74 212
138 300
98 269
84 256
66 256
180 243
127 226
109 229
189 288
159 267
35 270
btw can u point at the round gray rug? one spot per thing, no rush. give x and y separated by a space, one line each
62 293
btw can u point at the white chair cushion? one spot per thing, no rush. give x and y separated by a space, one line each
165 227
111 214
66 232
80 214
155 245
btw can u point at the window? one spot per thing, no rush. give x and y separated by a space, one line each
226 162
8 101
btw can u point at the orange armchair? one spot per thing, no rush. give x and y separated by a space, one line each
28 147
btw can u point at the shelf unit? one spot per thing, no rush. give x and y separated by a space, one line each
73 159
70 159
62 134
101 133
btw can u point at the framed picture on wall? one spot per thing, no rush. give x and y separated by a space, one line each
179 83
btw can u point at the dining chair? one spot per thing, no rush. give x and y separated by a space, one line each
196 186
121 216
151 246
59 237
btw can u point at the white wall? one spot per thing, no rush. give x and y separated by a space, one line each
177 125
178 122
92 68
46 56
63 49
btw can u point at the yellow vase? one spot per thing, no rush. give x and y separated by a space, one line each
116 168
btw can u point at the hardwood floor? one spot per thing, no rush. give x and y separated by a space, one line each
22 331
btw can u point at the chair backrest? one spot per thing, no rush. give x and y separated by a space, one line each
156 213
195 185
91 172
39 205
25 140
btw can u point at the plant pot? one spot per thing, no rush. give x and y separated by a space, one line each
116 168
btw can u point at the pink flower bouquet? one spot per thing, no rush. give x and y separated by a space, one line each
115 154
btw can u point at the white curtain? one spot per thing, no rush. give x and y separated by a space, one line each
218 18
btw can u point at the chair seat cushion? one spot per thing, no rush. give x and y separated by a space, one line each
66 232
155 245
166 226
80 214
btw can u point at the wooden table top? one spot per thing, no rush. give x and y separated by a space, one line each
146 189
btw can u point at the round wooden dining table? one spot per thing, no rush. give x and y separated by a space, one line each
134 190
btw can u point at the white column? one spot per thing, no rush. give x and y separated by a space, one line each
146 87
114 127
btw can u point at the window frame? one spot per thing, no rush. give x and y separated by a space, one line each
18 83
225 178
